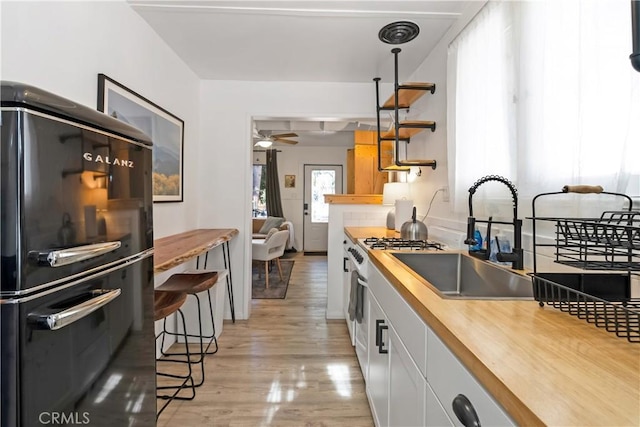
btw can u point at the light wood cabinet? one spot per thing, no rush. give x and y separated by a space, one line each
363 176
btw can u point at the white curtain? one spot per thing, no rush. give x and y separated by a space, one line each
544 94
481 72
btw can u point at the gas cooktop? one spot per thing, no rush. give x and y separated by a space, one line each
396 243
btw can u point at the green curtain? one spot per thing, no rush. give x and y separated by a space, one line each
274 203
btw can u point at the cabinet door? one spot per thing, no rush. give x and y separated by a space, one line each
434 414
351 171
407 386
378 376
449 378
365 166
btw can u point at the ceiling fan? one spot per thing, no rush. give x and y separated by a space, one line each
266 140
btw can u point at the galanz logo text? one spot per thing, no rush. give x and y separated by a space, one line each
108 161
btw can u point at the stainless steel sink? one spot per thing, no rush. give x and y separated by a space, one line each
458 275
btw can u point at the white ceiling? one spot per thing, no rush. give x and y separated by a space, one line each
319 41
316 132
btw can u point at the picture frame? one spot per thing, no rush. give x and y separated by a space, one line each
165 129
289 181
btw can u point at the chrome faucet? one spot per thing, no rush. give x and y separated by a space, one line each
515 257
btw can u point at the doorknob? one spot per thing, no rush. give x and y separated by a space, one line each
305 207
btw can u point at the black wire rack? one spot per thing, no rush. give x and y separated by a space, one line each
621 317
611 244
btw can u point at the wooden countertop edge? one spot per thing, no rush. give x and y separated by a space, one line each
353 199
226 235
520 412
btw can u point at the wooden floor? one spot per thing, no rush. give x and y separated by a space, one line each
286 365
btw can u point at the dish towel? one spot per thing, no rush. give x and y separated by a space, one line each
353 296
356 298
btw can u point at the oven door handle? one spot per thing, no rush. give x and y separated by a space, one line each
60 319
58 258
362 281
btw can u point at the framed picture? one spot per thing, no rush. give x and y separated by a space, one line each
165 130
289 181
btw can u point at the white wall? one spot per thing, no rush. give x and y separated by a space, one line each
225 156
291 161
61 47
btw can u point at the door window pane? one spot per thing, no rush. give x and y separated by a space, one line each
322 182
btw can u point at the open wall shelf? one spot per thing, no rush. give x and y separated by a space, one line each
404 95
408 93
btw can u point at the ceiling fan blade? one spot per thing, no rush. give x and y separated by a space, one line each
286 141
284 135
257 133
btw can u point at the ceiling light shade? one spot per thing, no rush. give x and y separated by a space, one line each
264 143
399 32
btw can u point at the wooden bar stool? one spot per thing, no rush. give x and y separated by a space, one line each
192 283
164 305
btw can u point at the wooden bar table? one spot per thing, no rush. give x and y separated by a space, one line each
171 251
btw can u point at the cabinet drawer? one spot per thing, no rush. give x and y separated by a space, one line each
449 378
410 328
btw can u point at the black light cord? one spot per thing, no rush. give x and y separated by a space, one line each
431 203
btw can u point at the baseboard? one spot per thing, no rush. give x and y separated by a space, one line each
312 253
335 315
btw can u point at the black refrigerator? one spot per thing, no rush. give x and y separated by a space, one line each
76 291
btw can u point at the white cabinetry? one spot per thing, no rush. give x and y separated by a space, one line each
450 379
378 369
416 382
434 414
396 385
407 386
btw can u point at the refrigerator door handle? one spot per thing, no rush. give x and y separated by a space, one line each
60 257
60 319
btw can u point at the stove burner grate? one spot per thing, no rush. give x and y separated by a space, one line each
398 243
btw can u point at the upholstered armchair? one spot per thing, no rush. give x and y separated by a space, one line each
271 248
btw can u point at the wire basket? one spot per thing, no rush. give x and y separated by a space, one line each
611 242
621 317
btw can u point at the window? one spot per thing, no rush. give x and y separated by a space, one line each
259 196
544 94
322 182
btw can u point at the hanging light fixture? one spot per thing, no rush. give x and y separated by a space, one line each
264 143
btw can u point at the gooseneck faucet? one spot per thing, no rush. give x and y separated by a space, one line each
515 257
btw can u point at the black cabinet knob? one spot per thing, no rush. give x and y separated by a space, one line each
465 411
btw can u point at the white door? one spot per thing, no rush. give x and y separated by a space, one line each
318 181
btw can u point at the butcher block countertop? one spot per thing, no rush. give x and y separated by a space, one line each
173 250
545 367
